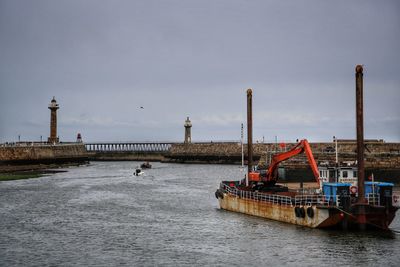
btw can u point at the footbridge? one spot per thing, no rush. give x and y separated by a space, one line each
129 146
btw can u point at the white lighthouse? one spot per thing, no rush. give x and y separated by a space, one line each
188 134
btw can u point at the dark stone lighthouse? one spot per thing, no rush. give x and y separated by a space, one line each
188 134
53 106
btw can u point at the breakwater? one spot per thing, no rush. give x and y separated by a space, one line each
42 153
381 158
378 153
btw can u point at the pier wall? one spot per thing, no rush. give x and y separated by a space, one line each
378 154
382 159
33 153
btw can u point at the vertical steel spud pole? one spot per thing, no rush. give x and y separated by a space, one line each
360 133
361 203
249 130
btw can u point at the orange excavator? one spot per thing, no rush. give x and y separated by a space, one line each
272 172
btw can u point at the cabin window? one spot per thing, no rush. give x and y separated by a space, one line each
323 173
354 173
345 174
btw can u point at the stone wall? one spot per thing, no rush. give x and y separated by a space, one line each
377 154
42 153
205 153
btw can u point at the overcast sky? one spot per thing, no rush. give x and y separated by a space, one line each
103 60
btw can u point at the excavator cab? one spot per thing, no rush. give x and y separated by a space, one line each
254 177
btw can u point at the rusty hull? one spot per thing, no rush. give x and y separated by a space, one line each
282 213
378 217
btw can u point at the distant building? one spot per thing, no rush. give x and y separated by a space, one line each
188 128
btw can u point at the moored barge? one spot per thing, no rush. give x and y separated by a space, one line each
329 204
338 208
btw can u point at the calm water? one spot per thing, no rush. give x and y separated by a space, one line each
103 215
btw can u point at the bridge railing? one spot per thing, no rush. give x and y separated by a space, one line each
128 147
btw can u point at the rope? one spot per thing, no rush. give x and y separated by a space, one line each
370 223
351 215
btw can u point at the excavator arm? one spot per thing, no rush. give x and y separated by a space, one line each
302 147
311 160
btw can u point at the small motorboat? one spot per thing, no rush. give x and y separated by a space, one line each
138 172
145 165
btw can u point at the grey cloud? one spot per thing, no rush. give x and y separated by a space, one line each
196 58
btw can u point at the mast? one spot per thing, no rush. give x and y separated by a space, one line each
241 142
336 151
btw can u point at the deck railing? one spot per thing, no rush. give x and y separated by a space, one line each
309 200
303 200
270 198
373 199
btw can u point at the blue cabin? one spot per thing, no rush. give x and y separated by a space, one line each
331 190
378 192
381 189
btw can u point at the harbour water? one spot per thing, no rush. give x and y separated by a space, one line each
102 215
